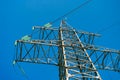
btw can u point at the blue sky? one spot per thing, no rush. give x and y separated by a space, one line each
18 16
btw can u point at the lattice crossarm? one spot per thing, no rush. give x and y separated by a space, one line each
37 51
104 58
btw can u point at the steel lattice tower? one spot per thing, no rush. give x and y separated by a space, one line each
69 49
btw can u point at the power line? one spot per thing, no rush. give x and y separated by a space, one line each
107 28
73 10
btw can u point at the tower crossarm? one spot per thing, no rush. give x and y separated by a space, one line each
104 58
86 37
37 51
65 29
41 42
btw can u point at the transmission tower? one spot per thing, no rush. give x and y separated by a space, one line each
71 50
